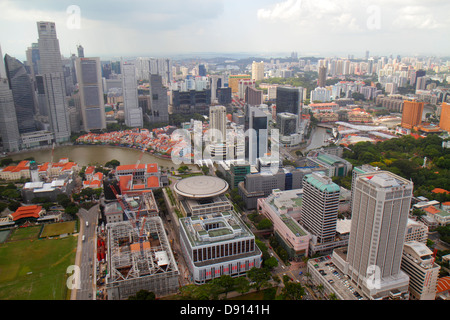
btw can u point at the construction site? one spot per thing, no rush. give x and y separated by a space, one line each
139 257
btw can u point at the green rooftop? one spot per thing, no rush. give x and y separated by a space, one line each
327 159
292 225
321 185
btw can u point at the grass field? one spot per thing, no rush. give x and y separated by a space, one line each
25 233
33 269
56 229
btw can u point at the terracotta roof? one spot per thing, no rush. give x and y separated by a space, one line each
431 209
27 212
130 167
443 284
152 182
439 190
89 170
124 182
152 167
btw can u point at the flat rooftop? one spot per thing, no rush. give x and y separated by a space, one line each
215 227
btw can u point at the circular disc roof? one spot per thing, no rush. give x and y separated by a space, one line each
201 187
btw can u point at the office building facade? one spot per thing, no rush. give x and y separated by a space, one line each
133 114
218 123
320 207
258 70
380 209
444 122
23 94
411 114
91 93
9 130
159 112
50 68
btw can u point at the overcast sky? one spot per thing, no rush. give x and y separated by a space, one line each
310 27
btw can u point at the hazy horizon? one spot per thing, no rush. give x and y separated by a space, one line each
255 28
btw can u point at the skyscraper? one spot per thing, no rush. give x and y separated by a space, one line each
380 208
320 207
133 114
201 70
8 121
444 122
91 93
50 67
257 70
23 94
411 114
287 123
159 100
289 99
218 121
322 76
258 122
80 51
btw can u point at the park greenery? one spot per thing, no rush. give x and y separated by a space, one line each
405 157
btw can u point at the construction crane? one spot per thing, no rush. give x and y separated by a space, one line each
131 216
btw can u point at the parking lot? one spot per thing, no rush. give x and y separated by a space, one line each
327 274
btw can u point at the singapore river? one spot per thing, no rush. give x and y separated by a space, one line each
94 155
86 155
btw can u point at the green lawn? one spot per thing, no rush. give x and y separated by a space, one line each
56 229
35 269
25 233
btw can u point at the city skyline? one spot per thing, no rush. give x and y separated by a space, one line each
321 27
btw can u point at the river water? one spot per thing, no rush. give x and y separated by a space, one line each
318 136
86 155
95 155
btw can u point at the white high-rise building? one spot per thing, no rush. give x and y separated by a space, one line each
133 114
218 121
257 70
320 207
380 207
50 67
91 94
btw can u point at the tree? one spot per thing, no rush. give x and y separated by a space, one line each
63 200
293 291
112 163
259 277
264 224
226 282
241 284
270 263
72 209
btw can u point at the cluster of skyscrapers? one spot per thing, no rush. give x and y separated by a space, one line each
48 97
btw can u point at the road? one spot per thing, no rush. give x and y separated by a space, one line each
86 259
